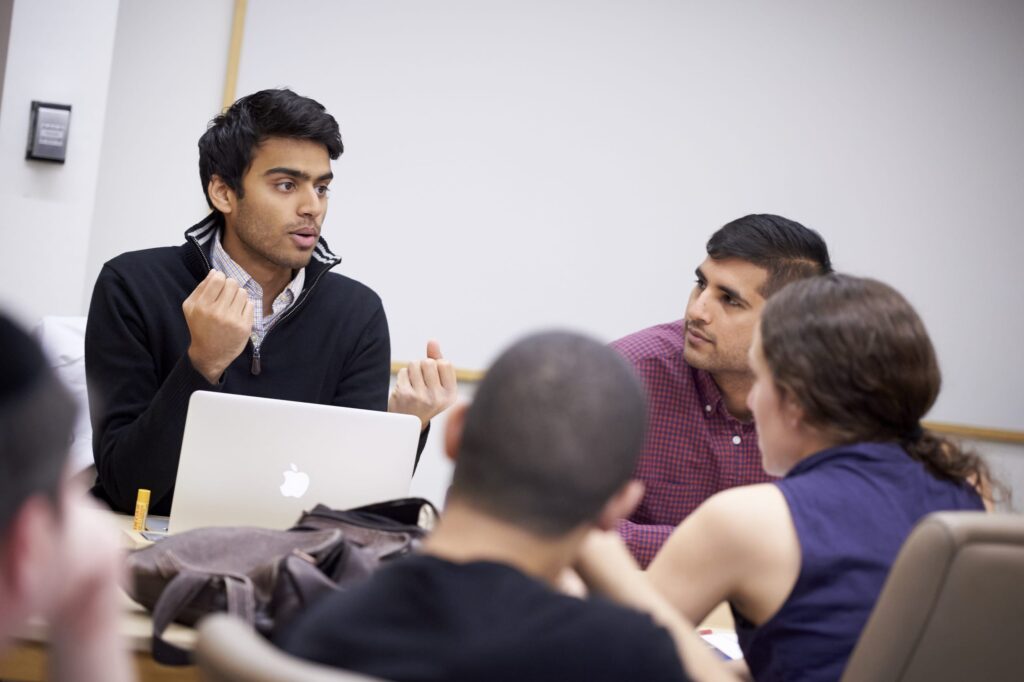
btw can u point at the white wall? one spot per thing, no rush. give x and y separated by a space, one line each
512 164
519 164
166 84
6 10
522 163
59 51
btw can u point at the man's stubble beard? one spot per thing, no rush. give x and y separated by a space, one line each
257 241
714 364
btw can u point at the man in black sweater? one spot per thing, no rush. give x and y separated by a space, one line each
247 305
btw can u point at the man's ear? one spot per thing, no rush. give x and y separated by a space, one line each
453 429
223 198
793 412
621 505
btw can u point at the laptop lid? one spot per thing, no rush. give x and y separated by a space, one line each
249 461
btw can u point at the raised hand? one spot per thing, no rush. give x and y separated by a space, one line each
425 388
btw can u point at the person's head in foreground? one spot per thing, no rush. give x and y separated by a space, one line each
844 372
36 418
54 561
543 460
549 443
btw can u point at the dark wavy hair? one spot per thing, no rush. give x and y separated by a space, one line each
226 148
857 358
785 248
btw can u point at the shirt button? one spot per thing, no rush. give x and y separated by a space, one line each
707 408
736 440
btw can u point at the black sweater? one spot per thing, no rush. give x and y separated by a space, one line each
331 347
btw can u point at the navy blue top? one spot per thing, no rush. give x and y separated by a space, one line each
852 506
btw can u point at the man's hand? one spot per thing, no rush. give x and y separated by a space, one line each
219 317
90 567
605 565
570 583
425 387
86 607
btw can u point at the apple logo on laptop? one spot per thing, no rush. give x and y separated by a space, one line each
295 482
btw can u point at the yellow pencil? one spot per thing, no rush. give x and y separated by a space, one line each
141 509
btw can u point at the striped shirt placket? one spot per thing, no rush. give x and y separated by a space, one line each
261 323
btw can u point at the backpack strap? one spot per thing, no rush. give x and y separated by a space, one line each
180 592
241 597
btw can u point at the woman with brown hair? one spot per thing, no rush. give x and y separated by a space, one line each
844 371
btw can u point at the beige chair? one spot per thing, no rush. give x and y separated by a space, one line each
228 650
952 607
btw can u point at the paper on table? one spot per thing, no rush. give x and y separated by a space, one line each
723 640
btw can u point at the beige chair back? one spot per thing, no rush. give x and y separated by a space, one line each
228 650
952 607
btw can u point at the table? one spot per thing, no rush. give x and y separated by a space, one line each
27 659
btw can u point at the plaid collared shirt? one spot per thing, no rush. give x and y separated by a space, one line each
694 447
261 323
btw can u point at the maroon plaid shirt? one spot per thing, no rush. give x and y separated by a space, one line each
694 447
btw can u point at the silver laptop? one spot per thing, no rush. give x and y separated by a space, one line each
259 462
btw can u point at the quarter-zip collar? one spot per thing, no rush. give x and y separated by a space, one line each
200 236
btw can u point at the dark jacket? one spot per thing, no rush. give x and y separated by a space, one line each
331 347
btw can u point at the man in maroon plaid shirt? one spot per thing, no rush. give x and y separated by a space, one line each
701 438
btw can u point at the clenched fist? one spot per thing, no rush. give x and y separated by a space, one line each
424 387
219 317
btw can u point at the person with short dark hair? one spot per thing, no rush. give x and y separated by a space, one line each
701 438
844 372
247 305
543 459
58 556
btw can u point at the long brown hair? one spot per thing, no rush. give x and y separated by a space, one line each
857 358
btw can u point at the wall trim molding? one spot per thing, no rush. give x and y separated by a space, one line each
473 376
465 376
976 432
